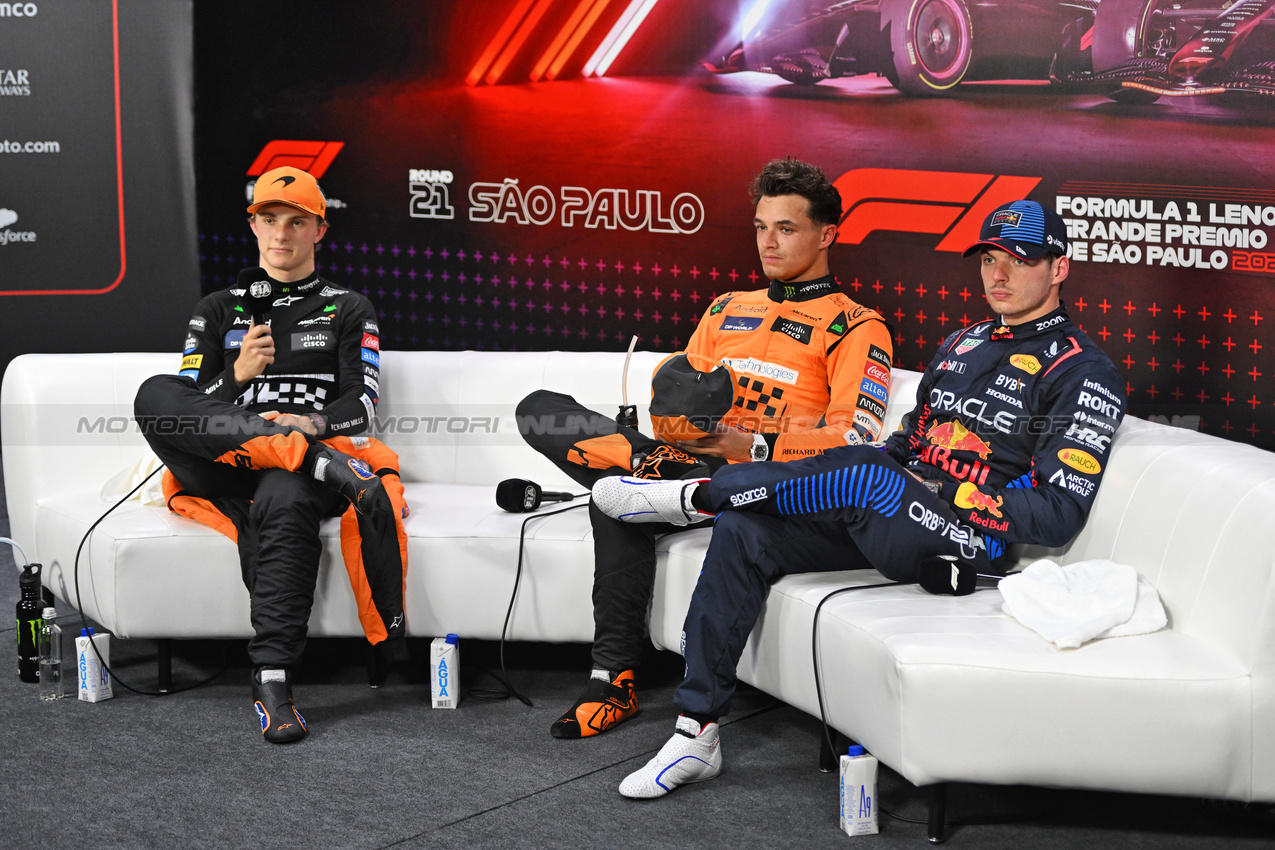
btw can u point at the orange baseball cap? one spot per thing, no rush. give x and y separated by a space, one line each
291 186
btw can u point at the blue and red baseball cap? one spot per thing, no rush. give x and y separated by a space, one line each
1024 229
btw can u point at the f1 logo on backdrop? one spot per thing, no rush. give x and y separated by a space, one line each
951 203
314 157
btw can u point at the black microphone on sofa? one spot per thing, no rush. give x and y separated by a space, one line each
947 575
258 293
518 495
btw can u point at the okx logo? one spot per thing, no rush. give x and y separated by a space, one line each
950 203
314 157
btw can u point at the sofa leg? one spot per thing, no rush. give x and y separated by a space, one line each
165 665
829 759
938 812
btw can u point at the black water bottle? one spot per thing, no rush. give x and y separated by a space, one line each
30 619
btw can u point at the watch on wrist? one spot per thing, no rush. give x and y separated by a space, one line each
320 426
760 449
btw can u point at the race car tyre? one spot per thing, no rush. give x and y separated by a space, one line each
933 45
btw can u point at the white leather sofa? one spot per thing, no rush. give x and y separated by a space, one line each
939 688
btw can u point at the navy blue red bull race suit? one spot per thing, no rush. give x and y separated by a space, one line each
1011 433
813 372
237 472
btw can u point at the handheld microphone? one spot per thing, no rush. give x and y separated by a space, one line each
518 495
258 293
947 575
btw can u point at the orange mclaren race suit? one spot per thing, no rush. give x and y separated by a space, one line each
813 373
1007 443
247 477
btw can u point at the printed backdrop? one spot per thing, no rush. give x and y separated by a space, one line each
531 174
97 207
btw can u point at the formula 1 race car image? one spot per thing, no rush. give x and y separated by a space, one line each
1131 50
1146 49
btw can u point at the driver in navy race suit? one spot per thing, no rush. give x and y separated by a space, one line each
1007 443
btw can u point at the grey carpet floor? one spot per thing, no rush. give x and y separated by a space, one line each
382 769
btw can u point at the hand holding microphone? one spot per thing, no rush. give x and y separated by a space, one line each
258 293
256 349
520 496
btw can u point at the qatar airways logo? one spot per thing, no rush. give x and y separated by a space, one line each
576 206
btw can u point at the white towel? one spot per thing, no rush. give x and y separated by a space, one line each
1084 601
125 480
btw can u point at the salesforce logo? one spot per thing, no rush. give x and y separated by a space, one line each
8 217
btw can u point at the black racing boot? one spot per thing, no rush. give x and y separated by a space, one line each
350 477
281 723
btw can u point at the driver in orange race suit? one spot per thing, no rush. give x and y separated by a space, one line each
811 370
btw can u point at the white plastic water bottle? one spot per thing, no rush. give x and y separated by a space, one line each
444 672
50 654
858 792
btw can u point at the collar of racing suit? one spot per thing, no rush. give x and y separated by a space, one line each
301 287
1040 325
806 290
285 288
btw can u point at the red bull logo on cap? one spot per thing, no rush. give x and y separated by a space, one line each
1010 217
956 437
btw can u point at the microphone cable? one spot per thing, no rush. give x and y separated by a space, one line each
507 689
84 620
814 652
823 714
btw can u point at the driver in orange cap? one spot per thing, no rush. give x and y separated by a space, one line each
282 372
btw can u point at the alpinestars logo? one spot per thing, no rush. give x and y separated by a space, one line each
951 203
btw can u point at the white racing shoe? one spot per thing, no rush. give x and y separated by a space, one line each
693 754
644 500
